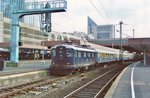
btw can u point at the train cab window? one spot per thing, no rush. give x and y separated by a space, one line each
53 52
60 53
69 53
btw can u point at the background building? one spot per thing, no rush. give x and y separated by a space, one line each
5 7
105 31
28 34
100 31
1 27
92 28
31 35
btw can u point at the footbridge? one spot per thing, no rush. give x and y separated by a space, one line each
20 9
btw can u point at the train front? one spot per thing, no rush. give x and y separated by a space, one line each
62 59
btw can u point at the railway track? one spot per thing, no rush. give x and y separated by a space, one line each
7 92
97 87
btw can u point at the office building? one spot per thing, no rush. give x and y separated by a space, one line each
92 28
99 31
105 31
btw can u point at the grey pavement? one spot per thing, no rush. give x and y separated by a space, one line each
121 88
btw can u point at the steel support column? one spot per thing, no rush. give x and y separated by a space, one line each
14 47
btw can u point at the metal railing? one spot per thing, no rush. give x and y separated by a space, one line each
42 4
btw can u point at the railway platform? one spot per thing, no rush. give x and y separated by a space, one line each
28 71
133 82
28 64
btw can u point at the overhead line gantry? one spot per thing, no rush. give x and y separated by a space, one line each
20 9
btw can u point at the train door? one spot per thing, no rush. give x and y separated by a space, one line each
75 61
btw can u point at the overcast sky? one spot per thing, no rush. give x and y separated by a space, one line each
135 14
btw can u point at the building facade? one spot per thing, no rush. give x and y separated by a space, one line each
30 35
6 8
105 31
100 31
92 28
60 36
1 26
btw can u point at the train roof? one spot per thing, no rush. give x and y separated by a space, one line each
101 48
76 47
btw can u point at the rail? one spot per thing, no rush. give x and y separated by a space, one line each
91 90
6 92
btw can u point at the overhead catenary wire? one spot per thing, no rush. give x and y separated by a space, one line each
97 10
103 8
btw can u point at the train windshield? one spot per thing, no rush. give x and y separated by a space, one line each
53 52
69 53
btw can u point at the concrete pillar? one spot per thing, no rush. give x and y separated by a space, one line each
145 57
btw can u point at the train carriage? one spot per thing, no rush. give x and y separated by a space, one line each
67 59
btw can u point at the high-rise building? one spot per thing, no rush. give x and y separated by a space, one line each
99 31
91 28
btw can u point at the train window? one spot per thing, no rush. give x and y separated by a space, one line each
53 52
103 55
69 53
107 55
84 54
60 53
76 54
89 54
92 54
79 54
100 55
